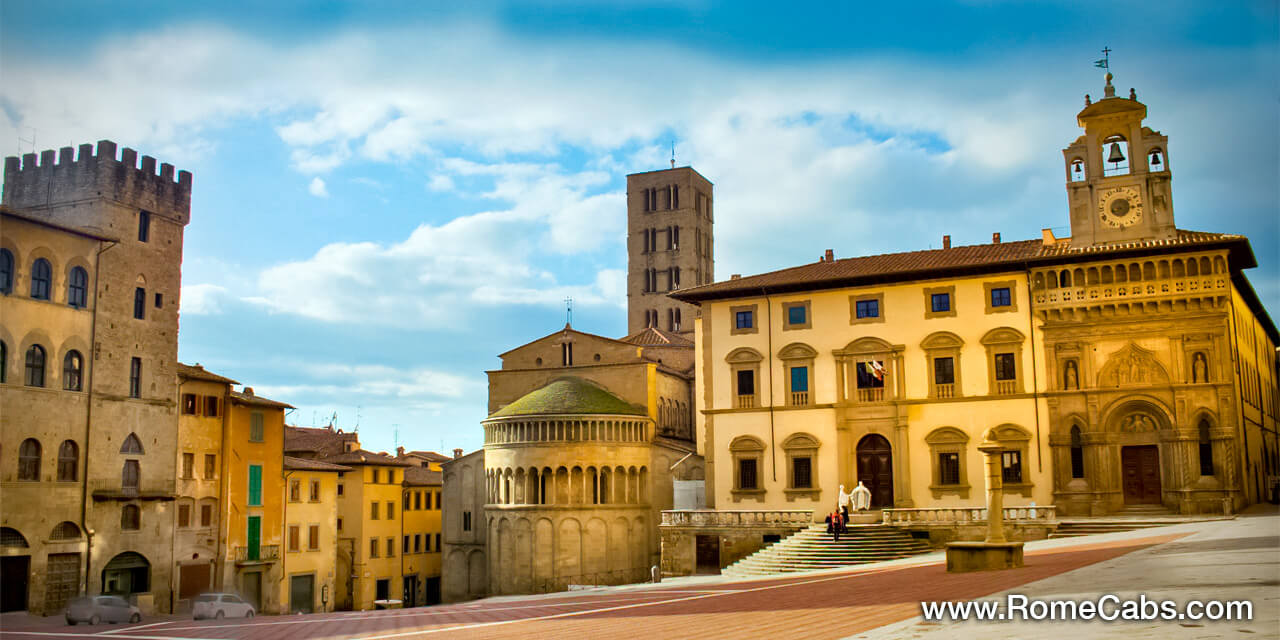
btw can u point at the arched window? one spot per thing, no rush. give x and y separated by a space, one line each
129 476
73 371
130 518
78 288
29 460
132 445
1206 450
41 279
68 461
6 271
1077 453
65 531
35 366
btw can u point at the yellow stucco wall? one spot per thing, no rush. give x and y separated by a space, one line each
196 545
422 521
240 454
319 562
354 507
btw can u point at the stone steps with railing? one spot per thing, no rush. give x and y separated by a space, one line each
814 548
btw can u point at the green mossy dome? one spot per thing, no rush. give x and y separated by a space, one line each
569 396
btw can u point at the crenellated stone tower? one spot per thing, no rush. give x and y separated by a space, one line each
669 246
127 330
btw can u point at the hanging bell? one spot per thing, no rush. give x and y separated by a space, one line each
1155 158
1077 167
1116 154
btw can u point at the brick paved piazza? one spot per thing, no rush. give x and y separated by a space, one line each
829 604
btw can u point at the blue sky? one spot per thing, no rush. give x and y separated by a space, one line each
387 196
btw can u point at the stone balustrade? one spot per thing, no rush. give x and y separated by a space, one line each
959 516
737 518
1126 291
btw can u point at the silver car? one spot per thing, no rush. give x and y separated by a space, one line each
220 605
95 609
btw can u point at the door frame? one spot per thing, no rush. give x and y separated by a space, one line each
888 457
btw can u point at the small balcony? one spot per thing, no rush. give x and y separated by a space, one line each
947 390
1006 387
799 398
262 554
870 394
747 401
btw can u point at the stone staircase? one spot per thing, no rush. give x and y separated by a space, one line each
813 548
1128 519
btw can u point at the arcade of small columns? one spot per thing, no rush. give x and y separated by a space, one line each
564 486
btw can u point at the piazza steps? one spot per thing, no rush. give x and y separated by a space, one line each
1130 518
813 548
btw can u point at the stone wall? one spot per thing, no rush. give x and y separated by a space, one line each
738 533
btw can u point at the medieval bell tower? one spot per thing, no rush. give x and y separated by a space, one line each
1118 179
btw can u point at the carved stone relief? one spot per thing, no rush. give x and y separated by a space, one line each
1132 366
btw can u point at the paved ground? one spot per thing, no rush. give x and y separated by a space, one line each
827 604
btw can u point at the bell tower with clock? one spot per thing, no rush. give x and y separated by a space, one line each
1118 180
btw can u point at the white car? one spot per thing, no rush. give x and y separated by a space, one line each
220 605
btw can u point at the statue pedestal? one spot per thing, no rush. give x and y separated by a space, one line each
963 557
866 517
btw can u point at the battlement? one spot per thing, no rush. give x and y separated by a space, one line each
65 177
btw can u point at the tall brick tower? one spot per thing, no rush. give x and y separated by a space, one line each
123 417
669 246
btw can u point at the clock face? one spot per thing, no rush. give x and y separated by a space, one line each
1120 208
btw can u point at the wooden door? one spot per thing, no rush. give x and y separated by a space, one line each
13 582
251 589
875 469
708 555
1141 469
302 593
62 581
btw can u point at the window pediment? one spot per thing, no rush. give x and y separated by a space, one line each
947 435
942 340
1003 335
866 346
797 351
746 443
1009 433
800 441
743 355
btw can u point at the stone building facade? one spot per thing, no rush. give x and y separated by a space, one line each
1128 365
585 438
669 246
92 289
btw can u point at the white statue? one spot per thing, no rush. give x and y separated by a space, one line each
861 497
843 502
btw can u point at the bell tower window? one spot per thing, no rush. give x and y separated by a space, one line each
1116 150
1076 171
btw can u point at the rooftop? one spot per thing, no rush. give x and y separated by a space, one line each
567 396
247 397
422 476
303 464
360 456
655 337
197 372
323 441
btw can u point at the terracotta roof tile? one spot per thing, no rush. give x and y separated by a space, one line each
360 456
422 476
655 337
197 372
912 265
249 398
319 442
303 464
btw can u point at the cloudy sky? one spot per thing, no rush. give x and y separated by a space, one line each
386 199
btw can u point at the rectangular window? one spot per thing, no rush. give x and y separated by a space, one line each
466 520
135 378
373 510
417 500
1011 467
255 485
941 302
211 406
159 300
743 320
1005 368
799 379
948 468
315 491
188 466
944 370
802 472
1000 297
255 427
376 476
341 489
417 543
293 537
188 404
184 515
408 501
867 308
437 543
144 226
391 510
339 524
206 515
391 547
404 545
129 476
391 476
373 547
747 474
871 374
313 537
746 382
140 303
295 491
796 314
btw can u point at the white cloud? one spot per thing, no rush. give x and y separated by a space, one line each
203 299
317 188
441 182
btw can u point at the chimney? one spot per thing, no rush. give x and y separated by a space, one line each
735 276
995 238
399 452
457 453
1046 237
248 391
946 242
831 256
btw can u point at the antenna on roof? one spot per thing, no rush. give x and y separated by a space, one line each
358 408
568 311
397 434
673 154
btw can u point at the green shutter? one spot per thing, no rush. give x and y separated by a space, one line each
255 485
253 534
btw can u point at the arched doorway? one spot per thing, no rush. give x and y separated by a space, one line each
15 566
875 469
127 573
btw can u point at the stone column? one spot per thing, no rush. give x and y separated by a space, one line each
995 491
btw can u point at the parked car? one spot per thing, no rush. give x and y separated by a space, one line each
95 609
220 605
